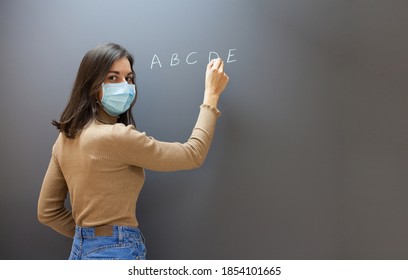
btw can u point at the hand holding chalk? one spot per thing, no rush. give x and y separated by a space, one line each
215 81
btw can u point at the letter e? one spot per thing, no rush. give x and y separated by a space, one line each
230 54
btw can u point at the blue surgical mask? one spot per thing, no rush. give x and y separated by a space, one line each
117 97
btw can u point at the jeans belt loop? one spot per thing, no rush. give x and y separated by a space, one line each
120 233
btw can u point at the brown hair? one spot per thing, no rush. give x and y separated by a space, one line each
82 105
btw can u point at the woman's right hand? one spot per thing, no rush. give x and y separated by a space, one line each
215 82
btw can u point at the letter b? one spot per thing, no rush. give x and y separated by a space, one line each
174 59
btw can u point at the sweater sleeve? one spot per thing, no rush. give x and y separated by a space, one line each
137 149
51 202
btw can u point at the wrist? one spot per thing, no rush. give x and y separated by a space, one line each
210 99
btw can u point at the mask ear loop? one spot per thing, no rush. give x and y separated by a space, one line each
95 111
128 116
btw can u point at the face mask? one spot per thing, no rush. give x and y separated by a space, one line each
117 97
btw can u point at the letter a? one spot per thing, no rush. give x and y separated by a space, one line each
155 60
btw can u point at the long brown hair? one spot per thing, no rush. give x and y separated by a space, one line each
83 104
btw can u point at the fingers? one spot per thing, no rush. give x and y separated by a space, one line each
221 68
215 72
210 64
216 64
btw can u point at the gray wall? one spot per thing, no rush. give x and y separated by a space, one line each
310 156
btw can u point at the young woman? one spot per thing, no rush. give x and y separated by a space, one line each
99 157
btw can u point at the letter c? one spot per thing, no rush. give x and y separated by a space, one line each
188 56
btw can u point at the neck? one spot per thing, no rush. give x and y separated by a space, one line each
104 117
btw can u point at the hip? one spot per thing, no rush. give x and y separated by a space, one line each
108 242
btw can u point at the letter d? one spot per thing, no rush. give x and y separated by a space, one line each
211 54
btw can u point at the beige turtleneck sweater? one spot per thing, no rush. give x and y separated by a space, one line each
102 169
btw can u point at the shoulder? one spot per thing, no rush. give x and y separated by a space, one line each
122 132
97 130
57 144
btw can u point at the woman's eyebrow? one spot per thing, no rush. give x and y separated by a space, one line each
117 72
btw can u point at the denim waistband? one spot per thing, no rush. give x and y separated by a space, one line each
105 230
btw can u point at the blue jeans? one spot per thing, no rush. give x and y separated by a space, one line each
120 243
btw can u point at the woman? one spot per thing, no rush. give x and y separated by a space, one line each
99 157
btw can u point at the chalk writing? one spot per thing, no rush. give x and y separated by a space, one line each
191 58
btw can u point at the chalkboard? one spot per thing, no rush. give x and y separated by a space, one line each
310 153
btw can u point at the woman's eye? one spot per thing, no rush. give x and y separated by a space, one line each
129 79
112 78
